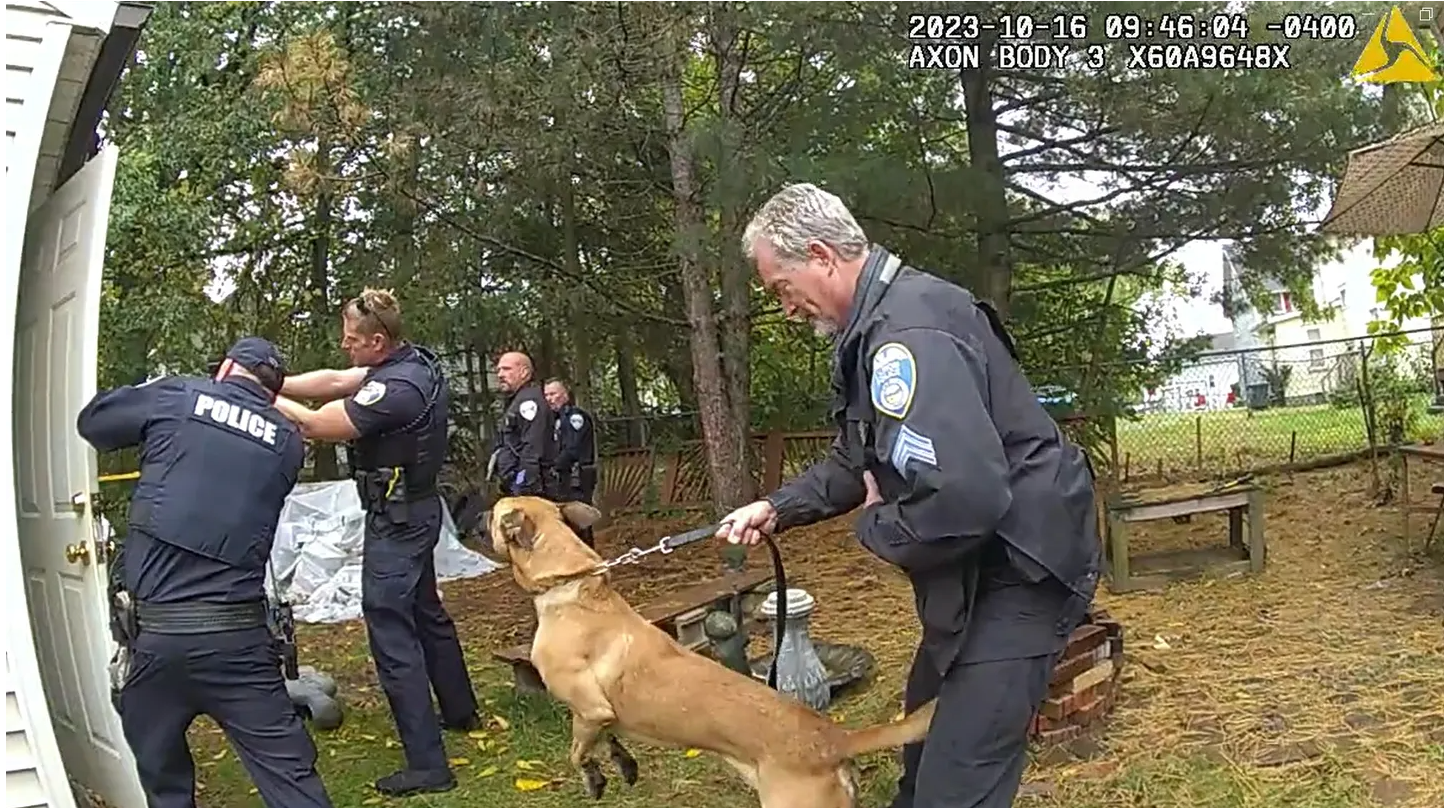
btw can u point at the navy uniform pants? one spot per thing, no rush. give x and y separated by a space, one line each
235 678
413 639
977 746
580 487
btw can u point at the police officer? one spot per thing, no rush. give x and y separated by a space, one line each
392 407
576 473
217 462
525 460
965 482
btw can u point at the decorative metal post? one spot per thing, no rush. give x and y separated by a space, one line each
800 672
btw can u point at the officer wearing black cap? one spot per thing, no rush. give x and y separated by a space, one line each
392 408
217 461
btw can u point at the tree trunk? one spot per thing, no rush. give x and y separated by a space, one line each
719 427
627 386
994 251
326 466
736 291
581 369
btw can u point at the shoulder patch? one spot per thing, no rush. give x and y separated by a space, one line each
527 409
577 421
894 379
370 393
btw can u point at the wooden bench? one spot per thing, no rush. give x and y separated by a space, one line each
678 613
1154 571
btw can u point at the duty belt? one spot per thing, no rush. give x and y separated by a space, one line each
193 617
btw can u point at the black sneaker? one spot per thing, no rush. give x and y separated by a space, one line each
466 724
415 781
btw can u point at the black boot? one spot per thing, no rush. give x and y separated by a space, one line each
416 781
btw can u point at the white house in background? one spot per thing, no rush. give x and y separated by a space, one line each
62 737
1316 351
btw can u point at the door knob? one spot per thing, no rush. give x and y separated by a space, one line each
78 553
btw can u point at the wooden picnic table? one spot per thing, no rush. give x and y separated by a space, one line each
1429 455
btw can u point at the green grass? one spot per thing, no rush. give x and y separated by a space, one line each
488 767
1240 439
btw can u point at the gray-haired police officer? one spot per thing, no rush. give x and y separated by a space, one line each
217 462
966 484
396 417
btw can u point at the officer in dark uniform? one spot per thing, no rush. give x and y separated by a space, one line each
966 484
396 420
576 473
217 462
524 464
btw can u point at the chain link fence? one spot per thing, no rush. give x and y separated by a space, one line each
1281 406
1224 412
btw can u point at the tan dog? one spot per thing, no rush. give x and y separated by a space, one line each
619 673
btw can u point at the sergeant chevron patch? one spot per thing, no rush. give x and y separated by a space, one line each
910 446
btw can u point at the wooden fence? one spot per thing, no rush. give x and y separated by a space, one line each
649 479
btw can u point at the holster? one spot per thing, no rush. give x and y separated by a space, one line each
283 636
124 628
384 491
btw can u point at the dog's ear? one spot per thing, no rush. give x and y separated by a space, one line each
580 515
517 528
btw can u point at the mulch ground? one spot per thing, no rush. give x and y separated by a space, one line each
1332 658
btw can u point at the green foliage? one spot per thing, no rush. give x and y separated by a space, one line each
505 168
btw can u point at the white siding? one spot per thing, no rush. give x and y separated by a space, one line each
34 47
23 788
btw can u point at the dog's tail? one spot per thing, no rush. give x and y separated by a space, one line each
910 729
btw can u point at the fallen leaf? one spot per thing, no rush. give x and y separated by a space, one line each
528 784
254 791
487 772
218 755
370 737
501 722
482 744
528 765
459 761
1161 644
691 753
476 733
371 801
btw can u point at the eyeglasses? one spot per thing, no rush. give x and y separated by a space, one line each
366 311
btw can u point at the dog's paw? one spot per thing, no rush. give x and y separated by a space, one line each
596 781
623 760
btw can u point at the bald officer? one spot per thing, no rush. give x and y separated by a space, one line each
217 461
526 459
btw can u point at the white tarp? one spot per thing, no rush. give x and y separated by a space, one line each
317 553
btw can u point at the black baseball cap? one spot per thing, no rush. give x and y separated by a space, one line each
254 353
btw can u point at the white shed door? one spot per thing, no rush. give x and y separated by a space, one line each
56 341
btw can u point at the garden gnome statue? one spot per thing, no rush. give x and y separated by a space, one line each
800 672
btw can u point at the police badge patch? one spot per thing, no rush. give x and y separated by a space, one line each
577 420
370 393
527 409
894 379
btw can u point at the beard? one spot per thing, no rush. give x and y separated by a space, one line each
823 328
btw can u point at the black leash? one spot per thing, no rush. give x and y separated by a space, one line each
669 544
